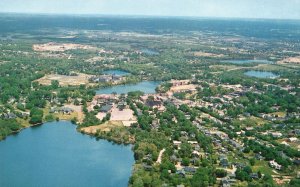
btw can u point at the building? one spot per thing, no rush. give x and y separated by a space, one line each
275 165
276 134
179 82
106 108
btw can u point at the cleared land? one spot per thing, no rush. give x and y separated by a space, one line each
65 80
106 127
183 88
126 116
59 47
290 60
122 115
77 110
204 54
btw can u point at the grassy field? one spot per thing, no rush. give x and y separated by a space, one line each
263 167
65 80
106 127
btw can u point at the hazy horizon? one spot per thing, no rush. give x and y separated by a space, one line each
253 9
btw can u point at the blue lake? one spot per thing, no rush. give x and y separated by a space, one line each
150 52
116 72
247 61
261 74
55 154
147 87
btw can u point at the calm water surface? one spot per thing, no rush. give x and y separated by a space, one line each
247 61
150 52
116 72
55 154
147 87
261 74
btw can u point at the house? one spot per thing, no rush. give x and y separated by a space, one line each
184 133
139 112
222 157
190 170
181 173
197 147
53 110
235 144
173 158
106 108
285 143
259 157
147 157
179 82
66 110
153 103
122 105
247 114
254 175
275 165
225 182
224 163
193 142
188 117
240 165
155 123
147 167
177 143
25 114
297 162
196 154
9 115
276 134
194 161
249 128
293 139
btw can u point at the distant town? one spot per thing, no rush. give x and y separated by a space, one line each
200 105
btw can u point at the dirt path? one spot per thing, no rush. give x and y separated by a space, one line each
160 156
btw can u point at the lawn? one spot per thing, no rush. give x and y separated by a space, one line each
263 167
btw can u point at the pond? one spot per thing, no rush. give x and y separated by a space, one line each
116 72
247 61
150 52
261 74
55 154
148 87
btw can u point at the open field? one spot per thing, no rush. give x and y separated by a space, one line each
65 80
106 127
204 54
292 60
182 88
126 116
263 167
77 110
59 47
122 115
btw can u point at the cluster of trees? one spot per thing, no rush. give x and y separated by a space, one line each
204 176
150 141
90 120
36 116
262 103
269 153
212 91
8 126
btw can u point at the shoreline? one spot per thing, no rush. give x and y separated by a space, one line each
21 129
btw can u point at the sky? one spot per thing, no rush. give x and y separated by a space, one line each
278 9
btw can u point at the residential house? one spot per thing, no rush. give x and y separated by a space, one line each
275 165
